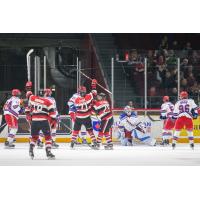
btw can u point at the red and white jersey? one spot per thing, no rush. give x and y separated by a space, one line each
84 105
41 108
184 107
12 106
167 109
53 101
102 109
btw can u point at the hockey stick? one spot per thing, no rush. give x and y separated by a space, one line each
67 127
97 83
153 120
28 64
2 126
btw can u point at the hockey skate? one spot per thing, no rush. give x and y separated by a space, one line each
9 145
31 153
54 145
173 146
50 156
72 144
40 144
108 147
94 146
192 146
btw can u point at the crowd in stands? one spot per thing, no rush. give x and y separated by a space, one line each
162 70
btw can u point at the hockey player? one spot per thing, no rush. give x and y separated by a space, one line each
83 105
53 123
11 111
131 128
72 113
166 114
184 111
102 109
42 110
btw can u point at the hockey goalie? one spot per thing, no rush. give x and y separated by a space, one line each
131 130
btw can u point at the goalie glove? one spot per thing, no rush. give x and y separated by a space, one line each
140 127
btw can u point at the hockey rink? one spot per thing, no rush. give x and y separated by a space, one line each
120 156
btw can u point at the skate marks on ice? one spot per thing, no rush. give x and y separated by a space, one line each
120 156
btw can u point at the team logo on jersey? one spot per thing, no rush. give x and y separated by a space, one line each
96 125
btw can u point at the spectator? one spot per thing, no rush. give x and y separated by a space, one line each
184 84
164 43
169 81
190 79
171 59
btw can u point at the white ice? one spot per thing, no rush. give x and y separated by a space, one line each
120 156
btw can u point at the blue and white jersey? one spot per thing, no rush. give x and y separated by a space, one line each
71 103
128 122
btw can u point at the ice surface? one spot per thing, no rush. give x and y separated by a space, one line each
120 156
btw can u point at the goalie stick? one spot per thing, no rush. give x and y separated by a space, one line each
152 119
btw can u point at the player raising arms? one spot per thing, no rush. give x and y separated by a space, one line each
102 109
185 109
11 112
83 105
166 114
42 110
72 113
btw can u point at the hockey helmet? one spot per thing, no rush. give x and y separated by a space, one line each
47 92
16 92
29 84
165 98
101 96
183 95
128 110
28 94
82 91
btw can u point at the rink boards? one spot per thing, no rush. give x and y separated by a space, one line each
64 133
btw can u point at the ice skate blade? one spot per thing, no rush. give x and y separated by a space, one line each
51 158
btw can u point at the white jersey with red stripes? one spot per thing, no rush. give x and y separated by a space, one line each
84 105
184 107
12 106
167 109
41 108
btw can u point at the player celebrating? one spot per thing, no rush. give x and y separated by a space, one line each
72 113
83 105
166 114
102 109
185 109
53 123
11 111
42 109
130 127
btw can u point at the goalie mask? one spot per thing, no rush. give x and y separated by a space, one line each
128 110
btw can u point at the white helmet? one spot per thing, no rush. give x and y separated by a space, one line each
128 110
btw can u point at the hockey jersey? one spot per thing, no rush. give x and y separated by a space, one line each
167 109
102 109
185 107
71 103
53 101
84 105
41 108
12 107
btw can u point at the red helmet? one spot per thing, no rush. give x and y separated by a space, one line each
165 98
29 84
28 94
82 89
183 95
47 92
16 92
